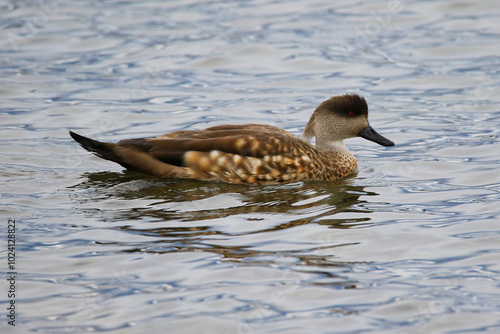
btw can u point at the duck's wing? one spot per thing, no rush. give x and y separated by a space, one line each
251 140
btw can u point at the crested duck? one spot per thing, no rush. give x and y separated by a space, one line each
251 153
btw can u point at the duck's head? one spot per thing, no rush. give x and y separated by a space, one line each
339 118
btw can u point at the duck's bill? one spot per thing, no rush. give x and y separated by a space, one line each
370 134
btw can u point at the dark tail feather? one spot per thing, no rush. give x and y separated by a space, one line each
87 143
134 155
103 150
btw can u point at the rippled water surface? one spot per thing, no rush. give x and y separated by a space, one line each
410 244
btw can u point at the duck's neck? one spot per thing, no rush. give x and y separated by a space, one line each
334 146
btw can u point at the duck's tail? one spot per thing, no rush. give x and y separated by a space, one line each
132 154
104 150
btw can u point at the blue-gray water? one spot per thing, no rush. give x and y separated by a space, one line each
411 244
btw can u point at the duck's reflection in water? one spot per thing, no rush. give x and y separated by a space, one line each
189 201
194 216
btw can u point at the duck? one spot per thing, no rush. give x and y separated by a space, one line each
251 153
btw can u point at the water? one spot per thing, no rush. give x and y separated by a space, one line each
410 244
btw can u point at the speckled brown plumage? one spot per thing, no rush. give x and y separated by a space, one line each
250 153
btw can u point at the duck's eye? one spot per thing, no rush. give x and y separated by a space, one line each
351 114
